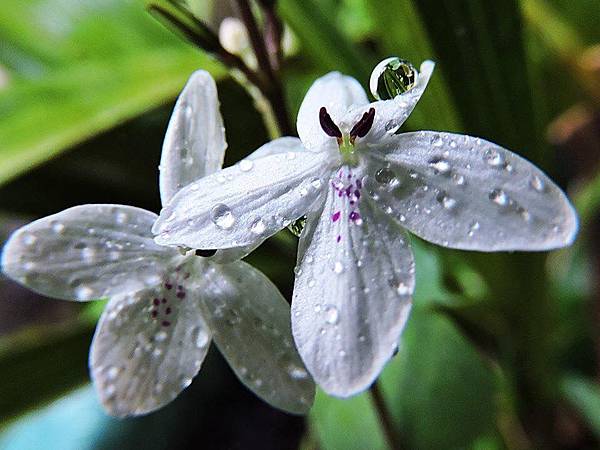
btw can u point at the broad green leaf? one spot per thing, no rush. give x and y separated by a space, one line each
40 364
481 53
400 31
314 24
79 69
584 396
42 119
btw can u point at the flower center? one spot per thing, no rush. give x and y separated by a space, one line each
346 141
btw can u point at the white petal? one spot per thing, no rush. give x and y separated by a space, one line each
241 206
337 93
86 252
250 320
281 145
467 193
391 114
352 294
150 344
195 143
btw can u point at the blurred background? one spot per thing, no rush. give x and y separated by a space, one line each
501 352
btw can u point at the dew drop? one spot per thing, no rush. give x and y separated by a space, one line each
83 293
258 226
332 315
112 372
246 165
221 216
316 183
493 158
297 373
121 217
311 283
29 240
458 179
384 176
445 201
437 141
403 289
202 338
338 267
439 166
537 183
499 197
57 227
161 336
391 77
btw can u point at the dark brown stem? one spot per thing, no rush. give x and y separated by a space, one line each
385 418
272 89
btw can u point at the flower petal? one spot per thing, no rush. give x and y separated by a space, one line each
242 205
468 193
337 93
150 344
250 320
86 252
352 294
281 145
391 114
195 143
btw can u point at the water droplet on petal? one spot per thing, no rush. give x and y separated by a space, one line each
392 77
297 373
83 293
458 179
537 183
161 336
112 372
338 267
499 197
386 178
332 315
202 338
446 201
493 157
258 226
222 216
437 141
57 227
316 183
246 165
439 166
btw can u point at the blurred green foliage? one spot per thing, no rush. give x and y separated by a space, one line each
501 351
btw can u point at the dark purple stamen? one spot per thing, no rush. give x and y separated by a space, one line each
362 127
327 124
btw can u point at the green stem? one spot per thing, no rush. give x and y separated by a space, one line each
385 417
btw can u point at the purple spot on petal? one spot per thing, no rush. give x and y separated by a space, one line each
357 193
168 285
154 314
168 311
359 184
181 294
164 300
336 216
354 216
166 323
156 302
339 238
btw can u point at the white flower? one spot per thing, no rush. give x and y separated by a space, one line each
360 185
164 307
